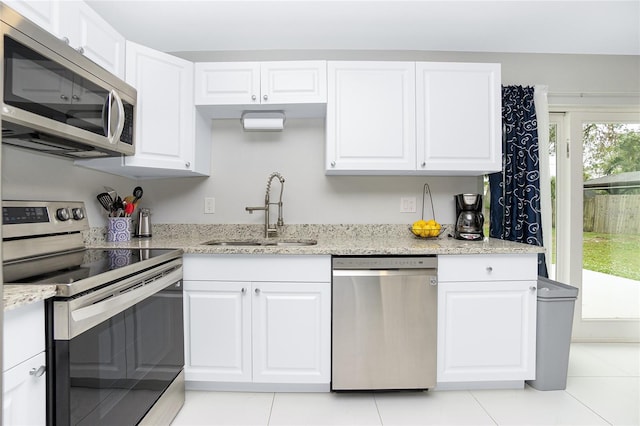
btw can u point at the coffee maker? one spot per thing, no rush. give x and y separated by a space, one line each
469 217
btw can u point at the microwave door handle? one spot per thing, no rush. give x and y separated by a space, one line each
120 123
106 117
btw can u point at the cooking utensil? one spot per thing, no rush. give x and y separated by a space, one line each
128 209
137 193
117 209
106 201
112 192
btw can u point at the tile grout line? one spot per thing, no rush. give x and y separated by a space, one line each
375 401
483 407
585 405
273 401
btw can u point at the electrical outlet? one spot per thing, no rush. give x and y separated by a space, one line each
407 204
209 205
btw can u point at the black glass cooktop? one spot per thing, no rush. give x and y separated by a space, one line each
99 265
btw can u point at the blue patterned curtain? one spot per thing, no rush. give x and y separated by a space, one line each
515 213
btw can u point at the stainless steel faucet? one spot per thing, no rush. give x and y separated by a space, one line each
268 229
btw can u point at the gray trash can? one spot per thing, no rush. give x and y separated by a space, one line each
556 302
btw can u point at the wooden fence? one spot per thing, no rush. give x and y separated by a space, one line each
612 214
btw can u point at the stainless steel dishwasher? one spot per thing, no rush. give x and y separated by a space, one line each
384 323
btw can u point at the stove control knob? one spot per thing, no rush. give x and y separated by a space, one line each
78 213
63 214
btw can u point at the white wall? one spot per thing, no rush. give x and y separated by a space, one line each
29 176
242 161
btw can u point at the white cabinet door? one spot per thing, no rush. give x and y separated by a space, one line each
260 83
164 135
89 33
24 366
43 13
227 83
23 335
486 331
291 332
458 117
25 392
293 82
217 331
370 117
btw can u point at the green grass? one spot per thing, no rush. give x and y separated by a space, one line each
613 254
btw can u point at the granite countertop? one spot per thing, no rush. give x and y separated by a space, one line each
332 240
15 296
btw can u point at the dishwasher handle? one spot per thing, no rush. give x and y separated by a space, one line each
384 272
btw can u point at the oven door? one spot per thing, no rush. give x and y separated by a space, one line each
112 370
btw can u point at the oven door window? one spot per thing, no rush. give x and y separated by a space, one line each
114 372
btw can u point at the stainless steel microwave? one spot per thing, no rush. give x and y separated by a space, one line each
56 101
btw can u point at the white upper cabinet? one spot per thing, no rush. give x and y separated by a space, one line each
165 108
172 138
370 117
227 83
91 35
228 88
42 13
80 26
459 117
413 118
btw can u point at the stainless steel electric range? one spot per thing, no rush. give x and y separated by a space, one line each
115 336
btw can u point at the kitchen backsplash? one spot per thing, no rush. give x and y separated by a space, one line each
241 163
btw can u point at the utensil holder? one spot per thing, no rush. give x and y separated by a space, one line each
118 229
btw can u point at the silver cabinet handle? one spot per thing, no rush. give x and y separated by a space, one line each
187 164
257 291
243 291
253 97
65 40
75 97
37 372
533 288
489 269
333 164
423 164
265 97
80 50
64 97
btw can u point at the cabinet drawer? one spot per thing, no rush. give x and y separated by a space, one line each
259 267
493 267
23 334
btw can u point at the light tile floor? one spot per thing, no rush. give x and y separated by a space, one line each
603 388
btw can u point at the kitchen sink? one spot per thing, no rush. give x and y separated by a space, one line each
262 243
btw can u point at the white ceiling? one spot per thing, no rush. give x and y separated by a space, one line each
574 26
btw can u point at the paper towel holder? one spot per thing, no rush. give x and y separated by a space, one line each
272 121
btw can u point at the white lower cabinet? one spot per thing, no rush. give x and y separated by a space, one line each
24 376
264 323
486 320
24 394
217 331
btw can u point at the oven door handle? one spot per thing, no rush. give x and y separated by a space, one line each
82 319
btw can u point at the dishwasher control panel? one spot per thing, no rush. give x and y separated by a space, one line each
388 262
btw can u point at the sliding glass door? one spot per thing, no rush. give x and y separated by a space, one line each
597 220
